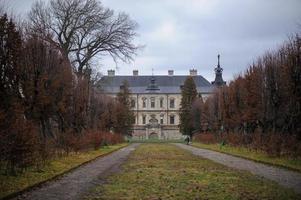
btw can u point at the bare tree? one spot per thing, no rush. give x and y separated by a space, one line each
83 30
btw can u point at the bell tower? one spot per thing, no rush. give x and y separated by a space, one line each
218 74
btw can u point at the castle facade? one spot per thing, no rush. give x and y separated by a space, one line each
155 100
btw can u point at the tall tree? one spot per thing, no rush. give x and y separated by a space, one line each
84 29
124 115
197 110
18 137
10 60
189 95
266 97
46 85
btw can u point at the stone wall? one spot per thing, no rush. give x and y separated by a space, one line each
162 132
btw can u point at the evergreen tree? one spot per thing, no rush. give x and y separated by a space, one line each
189 95
124 115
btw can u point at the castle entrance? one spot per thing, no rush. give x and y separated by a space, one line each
153 135
153 129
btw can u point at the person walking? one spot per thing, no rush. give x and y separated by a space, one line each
187 139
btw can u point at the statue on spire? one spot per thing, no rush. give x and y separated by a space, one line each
218 74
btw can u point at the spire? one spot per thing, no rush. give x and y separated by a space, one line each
152 85
218 74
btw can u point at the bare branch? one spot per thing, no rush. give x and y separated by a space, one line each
85 29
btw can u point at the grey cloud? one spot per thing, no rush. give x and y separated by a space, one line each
197 30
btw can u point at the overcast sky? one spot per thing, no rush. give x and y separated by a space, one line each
185 34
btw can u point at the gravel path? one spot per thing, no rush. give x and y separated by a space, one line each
75 184
283 177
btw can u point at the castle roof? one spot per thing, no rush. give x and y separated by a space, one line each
152 84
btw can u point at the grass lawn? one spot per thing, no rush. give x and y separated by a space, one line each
294 164
12 184
157 141
164 171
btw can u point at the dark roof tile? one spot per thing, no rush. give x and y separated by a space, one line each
139 84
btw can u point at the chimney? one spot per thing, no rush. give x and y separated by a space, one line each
193 72
135 72
170 72
111 72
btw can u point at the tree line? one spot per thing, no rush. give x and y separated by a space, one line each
260 108
49 101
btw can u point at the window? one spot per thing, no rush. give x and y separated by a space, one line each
172 119
172 103
161 103
143 119
144 102
133 103
152 102
161 118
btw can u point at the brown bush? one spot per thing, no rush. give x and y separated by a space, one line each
66 141
72 142
22 146
273 144
111 138
235 139
290 146
207 138
257 140
93 139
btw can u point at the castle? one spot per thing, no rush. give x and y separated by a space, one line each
155 100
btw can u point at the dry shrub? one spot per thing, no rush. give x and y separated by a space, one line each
21 146
46 151
273 144
73 142
297 154
291 147
108 138
207 138
67 141
235 139
257 140
94 139
276 144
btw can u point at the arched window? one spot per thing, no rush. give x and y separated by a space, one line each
161 102
172 103
143 102
143 119
133 103
153 104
